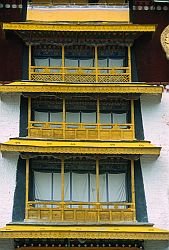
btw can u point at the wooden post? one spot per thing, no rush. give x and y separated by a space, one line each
62 179
97 179
64 118
132 118
27 189
133 189
129 62
30 62
63 63
96 62
29 115
98 116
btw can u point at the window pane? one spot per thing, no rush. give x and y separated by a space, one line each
41 116
43 186
117 187
79 187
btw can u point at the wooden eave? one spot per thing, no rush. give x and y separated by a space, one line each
80 147
52 87
130 232
34 32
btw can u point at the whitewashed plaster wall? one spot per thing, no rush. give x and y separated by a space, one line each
155 115
9 127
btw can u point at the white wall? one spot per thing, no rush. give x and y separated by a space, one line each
155 114
9 127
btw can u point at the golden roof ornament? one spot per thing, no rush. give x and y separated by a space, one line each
165 41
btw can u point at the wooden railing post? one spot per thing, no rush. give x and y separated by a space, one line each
29 114
129 62
132 118
98 116
64 118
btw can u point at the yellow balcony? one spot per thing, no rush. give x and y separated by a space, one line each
81 131
80 74
80 211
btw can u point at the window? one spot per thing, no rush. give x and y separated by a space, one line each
80 181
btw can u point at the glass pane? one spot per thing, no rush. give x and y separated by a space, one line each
117 187
43 186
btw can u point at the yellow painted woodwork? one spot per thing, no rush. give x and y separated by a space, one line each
133 232
80 211
81 147
28 86
80 131
103 27
78 14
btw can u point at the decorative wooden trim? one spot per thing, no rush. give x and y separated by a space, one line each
84 232
80 27
82 147
44 87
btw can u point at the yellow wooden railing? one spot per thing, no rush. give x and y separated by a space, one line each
80 74
80 211
84 131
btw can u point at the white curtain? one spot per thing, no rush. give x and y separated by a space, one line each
43 186
57 186
92 187
79 187
88 117
70 62
102 188
117 187
67 186
41 62
116 62
41 116
119 118
55 62
105 118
